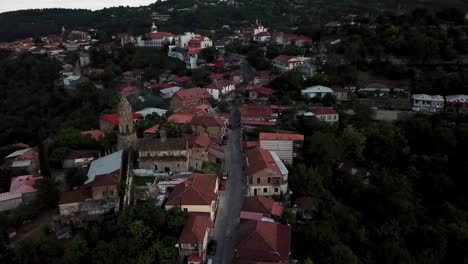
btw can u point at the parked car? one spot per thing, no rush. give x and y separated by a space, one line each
212 245
224 175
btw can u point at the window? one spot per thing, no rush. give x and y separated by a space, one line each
104 193
178 165
265 190
269 180
276 190
111 192
186 210
258 180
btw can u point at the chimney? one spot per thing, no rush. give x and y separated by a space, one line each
162 134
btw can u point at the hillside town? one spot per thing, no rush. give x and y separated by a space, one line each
204 131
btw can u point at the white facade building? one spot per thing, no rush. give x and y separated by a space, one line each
317 91
427 103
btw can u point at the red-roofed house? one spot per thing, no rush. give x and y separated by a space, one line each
264 205
222 87
193 241
192 96
216 77
326 114
262 77
109 122
209 125
260 93
95 134
236 76
127 90
24 161
152 131
257 115
198 194
287 146
22 190
262 242
199 146
183 80
181 118
284 63
266 174
340 93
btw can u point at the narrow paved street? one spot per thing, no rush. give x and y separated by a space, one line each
230 203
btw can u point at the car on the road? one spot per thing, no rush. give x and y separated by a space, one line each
224 175
212 245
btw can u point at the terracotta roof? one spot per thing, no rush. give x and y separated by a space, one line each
216 76
251 144
193 93
258 123
307 203
220 85
260 159
194 51
181 118
79 194
267 206
108 179
280 136
95 134
114 118
156 144
263 90
157 85
156 35
152 130
195 228
183 79
323 111
263 241
207 120
202 141
261 111
284 58
196 190
337 88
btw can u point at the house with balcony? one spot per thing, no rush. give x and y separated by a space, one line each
266 173
427 103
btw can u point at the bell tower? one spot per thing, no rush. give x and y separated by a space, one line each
126 138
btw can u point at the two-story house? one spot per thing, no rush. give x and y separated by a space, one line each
325 114
163 154
191 96
193 241
287 146
284 63
428 103
260 94
266 173
197 194
210 125
219 88
456 103
155 39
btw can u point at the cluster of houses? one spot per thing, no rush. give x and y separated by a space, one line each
439 103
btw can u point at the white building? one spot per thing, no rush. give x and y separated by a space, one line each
169 92
286 146
220 88
325 114
187 47
427 103
152 110
155 39
317 91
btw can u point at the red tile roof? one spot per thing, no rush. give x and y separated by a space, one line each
267 206
181 118
202 141
114 118
280 136
263 241
156 35
196 190
323 111
79 194
157 85
152 130
208 120
258 123
284 58
263 90
95 134
260 111
195 228
108 179
251 144
183 79
193 93
260 159
128 90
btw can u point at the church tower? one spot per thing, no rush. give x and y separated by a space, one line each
126 139
154 28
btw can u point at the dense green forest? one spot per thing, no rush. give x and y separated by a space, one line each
413 209
207 16
141 234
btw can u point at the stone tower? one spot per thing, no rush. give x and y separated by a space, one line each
126 139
